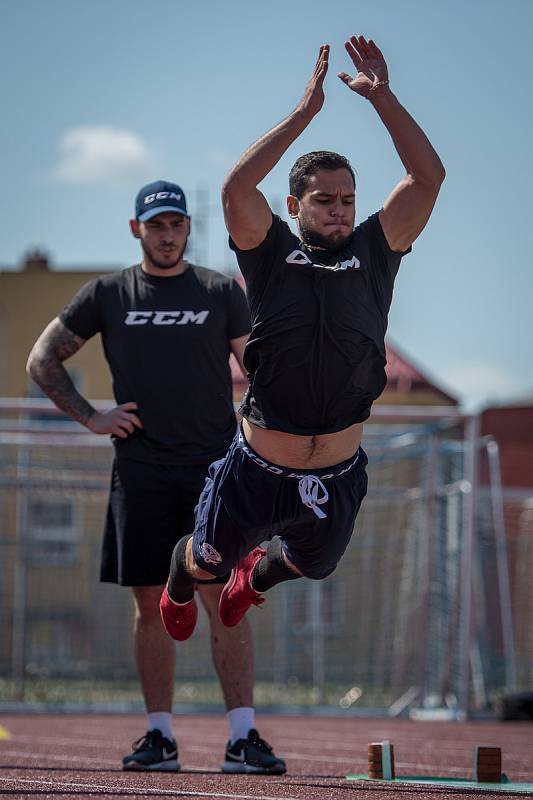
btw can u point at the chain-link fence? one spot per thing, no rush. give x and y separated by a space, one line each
418 615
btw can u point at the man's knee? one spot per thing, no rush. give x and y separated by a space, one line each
210 597
192 567
315 571
147 602
319 573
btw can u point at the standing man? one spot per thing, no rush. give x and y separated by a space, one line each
295 473
167 329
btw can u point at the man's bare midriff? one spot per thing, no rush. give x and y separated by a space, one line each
304 452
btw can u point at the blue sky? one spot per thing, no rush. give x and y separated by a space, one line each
101 97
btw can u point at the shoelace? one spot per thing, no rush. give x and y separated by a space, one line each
309 488
255 739
149 739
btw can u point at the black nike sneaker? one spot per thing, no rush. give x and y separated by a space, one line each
153 753
252 755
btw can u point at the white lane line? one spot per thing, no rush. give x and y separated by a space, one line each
91 787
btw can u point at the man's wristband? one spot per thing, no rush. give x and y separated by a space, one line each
377 85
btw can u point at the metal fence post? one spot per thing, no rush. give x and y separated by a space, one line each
496 498
18 639
317 611
469 523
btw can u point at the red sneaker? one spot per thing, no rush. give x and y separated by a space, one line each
237 595
179 619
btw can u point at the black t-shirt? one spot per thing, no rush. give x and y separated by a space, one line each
316 354
166 340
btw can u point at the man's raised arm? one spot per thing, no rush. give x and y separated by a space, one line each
408 207
246 211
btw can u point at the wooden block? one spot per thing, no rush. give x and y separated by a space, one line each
381 760
490 777
488 750
487 764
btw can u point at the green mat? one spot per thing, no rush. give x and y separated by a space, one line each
505 786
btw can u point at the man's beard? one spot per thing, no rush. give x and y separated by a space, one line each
318 240
162 265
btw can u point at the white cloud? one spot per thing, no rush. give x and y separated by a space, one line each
480 383
100 154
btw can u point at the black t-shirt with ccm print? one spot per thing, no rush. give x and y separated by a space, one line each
166 340
316 354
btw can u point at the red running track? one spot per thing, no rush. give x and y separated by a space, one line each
63 756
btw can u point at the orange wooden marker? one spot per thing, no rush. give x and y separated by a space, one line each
381 761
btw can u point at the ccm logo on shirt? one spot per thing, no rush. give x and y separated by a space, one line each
299 257
166 317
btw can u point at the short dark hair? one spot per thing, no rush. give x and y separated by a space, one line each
308 164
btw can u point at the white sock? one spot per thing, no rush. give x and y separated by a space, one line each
161 720
241 721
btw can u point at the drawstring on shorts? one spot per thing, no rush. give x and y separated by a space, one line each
309 487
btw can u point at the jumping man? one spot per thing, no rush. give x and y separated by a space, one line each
295 473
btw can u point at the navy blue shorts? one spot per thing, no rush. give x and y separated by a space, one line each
151 506
247 500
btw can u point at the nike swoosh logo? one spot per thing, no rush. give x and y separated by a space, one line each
240 757
168 753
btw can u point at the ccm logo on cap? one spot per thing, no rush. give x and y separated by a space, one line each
150 198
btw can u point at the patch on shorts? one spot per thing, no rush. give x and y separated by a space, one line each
209 554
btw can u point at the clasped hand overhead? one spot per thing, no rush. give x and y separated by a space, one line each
368 61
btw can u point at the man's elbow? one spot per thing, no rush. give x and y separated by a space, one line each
231 182
231 191
437 175
440 174
38 362
430 180
234 197
32 364
226 193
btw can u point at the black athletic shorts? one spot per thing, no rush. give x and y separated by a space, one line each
151 506
247 500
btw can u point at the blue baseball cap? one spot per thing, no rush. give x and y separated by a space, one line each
158 197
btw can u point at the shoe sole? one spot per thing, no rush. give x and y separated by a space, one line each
249 769
162 766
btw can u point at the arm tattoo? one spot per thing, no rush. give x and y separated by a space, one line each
45 366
